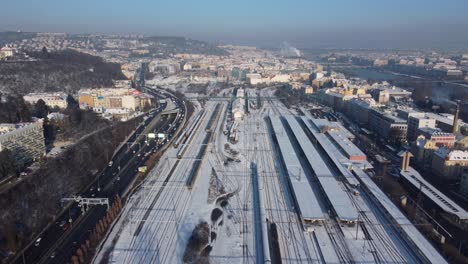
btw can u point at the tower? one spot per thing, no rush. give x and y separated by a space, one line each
455 120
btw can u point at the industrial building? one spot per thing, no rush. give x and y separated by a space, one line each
25 140
452 211
446 122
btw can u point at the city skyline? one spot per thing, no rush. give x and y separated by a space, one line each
306 24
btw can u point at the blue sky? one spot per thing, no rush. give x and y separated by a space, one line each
304 22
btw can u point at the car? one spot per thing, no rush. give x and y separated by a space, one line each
62 223
52 255
38 242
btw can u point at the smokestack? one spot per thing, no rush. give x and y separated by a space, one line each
455 120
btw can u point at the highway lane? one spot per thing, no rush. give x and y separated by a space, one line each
54 233
115 187
95 213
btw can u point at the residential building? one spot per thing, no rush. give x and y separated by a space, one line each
440 138
86 100
309 89
280 78
6 52
406 113
390 127
114 102
462 143
423 150
383 95
333 98
254 78
52 100
358 110
449 164
415 123
130 102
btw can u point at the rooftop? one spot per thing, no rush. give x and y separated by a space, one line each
444 202
305 196
337 196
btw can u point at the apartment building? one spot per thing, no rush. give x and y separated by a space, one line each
52 100
449 164
388 126
415 123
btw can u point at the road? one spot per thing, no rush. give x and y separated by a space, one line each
60 240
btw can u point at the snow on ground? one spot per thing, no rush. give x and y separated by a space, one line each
159 218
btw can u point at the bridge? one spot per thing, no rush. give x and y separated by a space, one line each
168 112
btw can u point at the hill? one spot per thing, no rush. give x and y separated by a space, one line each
66 70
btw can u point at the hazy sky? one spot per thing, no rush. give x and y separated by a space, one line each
340 23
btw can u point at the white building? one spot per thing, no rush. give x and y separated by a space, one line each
130 102
52 100
449 164
254 78
280 78
417 122
240 93
6 52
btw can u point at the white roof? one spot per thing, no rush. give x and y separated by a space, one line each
346 145
446 118
338 198
334 153
444 202
303 192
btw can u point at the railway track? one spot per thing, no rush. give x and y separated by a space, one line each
166 230
384 250
289 224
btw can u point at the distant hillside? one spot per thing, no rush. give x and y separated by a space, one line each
10 36
166 45
57 71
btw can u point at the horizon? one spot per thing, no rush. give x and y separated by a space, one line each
336 24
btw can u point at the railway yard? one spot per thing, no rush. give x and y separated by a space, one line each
276 186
